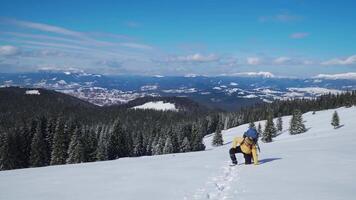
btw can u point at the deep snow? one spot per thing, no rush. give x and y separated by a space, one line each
319 164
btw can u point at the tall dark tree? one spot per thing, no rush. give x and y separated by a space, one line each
296 124
6 158
197 138
251 125
102 149
259 130
90 144
76 150
218 138
269 131
185 146
139 148
168 146
48 138
39 148
60 147
279 124
335 121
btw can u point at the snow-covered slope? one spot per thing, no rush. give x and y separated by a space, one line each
319 164
158 105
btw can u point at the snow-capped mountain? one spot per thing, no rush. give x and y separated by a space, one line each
318 164
227 92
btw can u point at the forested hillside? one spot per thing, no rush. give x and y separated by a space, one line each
53 128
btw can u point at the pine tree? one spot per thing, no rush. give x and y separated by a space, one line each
113 145
119 145
259 129
47 138
102 149
60 148
296 124
335 121
168 146
6 158
218 138
185 146
158 146
251 125
279 124
269 131
197 138
39 149
76 149
18 147
138 145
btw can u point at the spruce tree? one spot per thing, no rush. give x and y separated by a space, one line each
90 143
6 159
47 138
279 124
76 149
269 131
138 145
113 145
335 121
218 138
197 138
122 144
259 130
39 149
102 149
185 146
60 148
168 146
158 146
296 124
251 125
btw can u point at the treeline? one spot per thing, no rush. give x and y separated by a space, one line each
55 141
54 128
281 108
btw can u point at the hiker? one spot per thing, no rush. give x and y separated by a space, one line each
247 145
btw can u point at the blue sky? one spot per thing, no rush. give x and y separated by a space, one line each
288 38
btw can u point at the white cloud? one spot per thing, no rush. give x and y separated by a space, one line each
338 61
42 27
284 17
195 58
255 74
282 60
8 50
253 60
299 35
349 75
137 46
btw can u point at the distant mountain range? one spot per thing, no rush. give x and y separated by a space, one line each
225 92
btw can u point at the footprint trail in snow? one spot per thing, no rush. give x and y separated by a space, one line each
218 187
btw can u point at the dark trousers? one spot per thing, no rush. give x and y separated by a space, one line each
233 151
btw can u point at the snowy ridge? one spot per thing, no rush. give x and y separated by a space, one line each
349 76
318 164
158 105
32 92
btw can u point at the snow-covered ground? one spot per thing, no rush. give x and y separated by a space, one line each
157 105
319 164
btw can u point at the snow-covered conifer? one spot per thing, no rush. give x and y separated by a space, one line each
168 146
218 138
335 121
296 124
